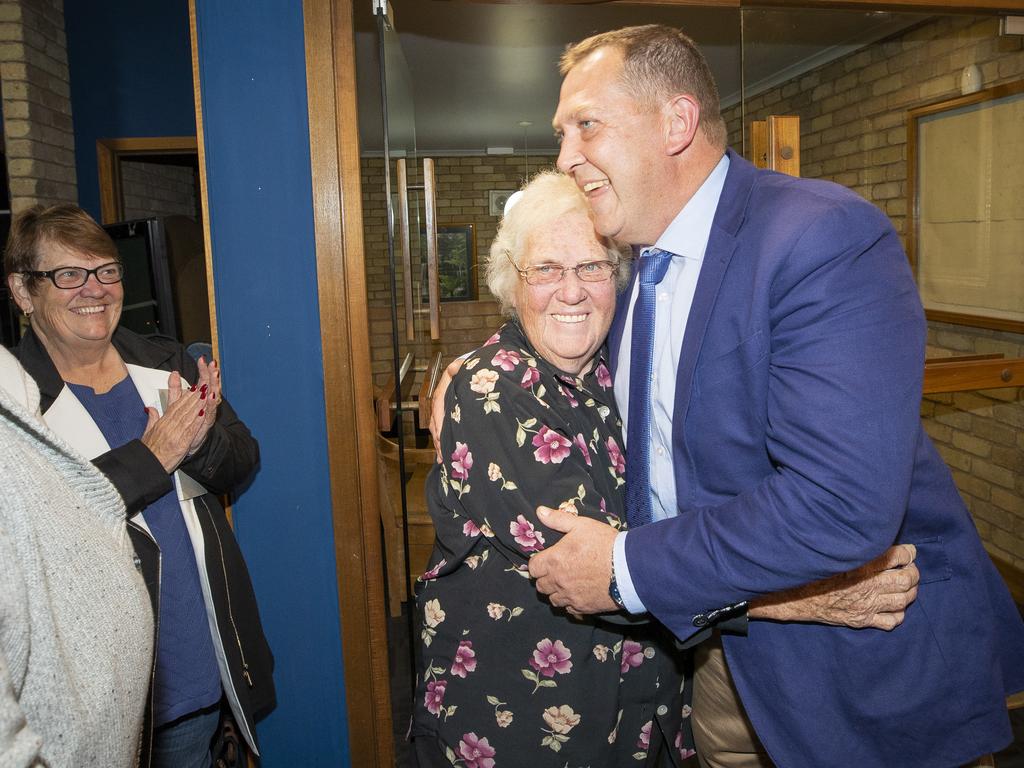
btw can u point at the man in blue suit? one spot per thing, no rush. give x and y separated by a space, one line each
768 367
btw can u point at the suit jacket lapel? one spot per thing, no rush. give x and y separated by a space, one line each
729 215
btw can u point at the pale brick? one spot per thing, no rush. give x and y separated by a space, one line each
993 474
976 404
998 518
1007 542
974 486
1009 501
1009 458
971 444
954 459
995 432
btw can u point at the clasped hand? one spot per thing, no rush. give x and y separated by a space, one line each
187 419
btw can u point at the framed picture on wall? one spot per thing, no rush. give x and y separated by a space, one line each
456 262
965 162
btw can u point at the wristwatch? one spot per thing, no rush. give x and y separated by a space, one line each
613 588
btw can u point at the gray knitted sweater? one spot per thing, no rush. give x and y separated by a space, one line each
76 627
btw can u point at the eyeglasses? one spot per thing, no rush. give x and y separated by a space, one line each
76 277
548 274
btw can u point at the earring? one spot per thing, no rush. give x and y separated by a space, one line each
27 312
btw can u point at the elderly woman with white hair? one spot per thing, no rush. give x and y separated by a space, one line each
505 678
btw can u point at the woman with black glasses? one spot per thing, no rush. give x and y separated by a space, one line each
155 423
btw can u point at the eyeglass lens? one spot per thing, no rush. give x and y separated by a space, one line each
74 277
590 272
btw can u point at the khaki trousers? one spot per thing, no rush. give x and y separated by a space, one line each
722 734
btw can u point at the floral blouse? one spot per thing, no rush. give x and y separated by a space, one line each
504 678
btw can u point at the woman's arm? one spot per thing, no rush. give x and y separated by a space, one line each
504 454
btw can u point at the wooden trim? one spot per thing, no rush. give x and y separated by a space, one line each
433 288
199 144
110 151
938 6
109 176
960 375
348 386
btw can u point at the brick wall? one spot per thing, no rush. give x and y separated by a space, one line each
462 187
36 103
853 131
158 189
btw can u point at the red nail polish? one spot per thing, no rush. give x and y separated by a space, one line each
146 411
192 388
202 413
202 396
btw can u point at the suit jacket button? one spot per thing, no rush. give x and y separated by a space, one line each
700 620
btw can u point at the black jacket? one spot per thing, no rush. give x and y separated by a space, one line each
225 461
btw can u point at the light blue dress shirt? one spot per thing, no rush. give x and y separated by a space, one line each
687 237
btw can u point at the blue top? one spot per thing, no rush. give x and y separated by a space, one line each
187 677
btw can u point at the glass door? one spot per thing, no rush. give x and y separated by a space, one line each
403 292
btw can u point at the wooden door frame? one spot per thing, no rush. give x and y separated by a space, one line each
348 385
110 153
334 155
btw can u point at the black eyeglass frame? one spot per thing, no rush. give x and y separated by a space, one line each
525 273
52 274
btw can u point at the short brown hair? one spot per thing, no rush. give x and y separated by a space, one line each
659 62
66 225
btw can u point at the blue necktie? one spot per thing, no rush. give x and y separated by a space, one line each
653 266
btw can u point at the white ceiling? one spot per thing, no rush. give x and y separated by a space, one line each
475 71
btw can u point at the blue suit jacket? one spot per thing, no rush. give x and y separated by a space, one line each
799 453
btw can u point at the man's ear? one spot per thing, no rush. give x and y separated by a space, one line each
682 119
19 290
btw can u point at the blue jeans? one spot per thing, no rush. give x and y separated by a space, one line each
185 743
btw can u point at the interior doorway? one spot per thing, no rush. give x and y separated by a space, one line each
156 180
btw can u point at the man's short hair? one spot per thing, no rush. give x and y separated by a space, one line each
659 63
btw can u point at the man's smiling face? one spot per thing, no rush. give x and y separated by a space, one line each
613 147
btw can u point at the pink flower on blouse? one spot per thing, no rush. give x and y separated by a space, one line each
530 377
434 698
469 528
567 394
645 736
465 659
551 446
581 443
551 657
462 461
683 752
432 573
632 655
476 751
618 463
604 377
506 360
494 339
526 536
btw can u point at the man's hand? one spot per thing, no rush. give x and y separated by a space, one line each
875 595
576 571
437 403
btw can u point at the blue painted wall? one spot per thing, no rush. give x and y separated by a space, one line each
131 75
253 79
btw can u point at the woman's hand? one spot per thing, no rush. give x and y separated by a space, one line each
209 389
170 436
